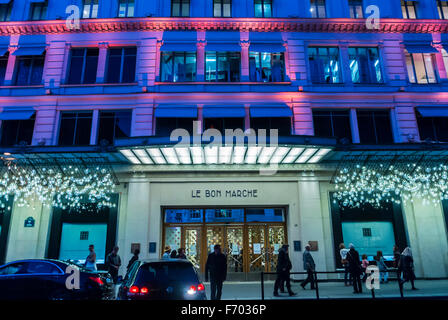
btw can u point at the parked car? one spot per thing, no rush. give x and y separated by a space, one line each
45 279
174 279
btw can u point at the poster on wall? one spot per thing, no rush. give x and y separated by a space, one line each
257 248
193 250
235 249
276 247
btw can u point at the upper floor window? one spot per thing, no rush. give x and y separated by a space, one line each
83 66
17 132
365 66
263 8
432 128
375 126
356 9
282 124
39 10
126 8
178 66
421 68
324 64
75 128
90 9
5 11
222 8
165 126
3 66
266 67
180 8
29 70
222 66
121 65
221 124
442 7
445 58
318 9
114 125
332 123
409 9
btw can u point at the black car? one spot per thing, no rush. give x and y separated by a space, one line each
45 279
173 279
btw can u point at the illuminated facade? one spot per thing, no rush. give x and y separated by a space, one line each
114 89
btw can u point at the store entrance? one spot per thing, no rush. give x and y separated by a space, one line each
249 237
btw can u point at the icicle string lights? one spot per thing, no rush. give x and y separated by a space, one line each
364 185
70 187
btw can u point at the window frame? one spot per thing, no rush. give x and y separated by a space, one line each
414 70
127 4
340 73
123 55
173 54
77 112
84 62
30 70
332 115
272 55
370 63
115 119
5 11
353 6
434 127
43 10
221 4
374 116
405 5
441 4
20 125
263 13
228 55
91 4
181 5
315 5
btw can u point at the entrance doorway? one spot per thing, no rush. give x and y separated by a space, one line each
250 237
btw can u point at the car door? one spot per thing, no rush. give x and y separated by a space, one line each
13 279
128 280
44 280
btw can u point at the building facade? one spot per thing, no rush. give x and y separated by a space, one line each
111 89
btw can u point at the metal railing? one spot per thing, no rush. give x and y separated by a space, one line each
316 281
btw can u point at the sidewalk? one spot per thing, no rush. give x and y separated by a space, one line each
331 290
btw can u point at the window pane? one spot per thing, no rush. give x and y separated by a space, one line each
23 71
224 215
75 128
429 65
264 215
114 66
258 9
410 68
129 65
3 66
420 70
37 70
76 66
184 216
210 66
166 68
83 129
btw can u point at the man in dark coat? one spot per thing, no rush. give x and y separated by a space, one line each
284 266
309 266
217 267
113 263
354 268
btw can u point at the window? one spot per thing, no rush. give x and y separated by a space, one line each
84 235
165 126
433 128
317 8
227 215
42 267
90 9
39 10
442 7
14 268
375 127
180 8
222 66
17 132
266 67
445 58
365 66
421 68
367 232
5 11
183 215
356 9
83 66
329 123
114 125
3 66
75 128
126 8
29 70
265 215
121 65
222 8
324 64
178 66
409 9
283 125
263 8
222 124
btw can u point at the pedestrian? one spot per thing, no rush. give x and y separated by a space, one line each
113 263
216 265
309 266
166 253
343 253
173 254
354 268
91 259
397 256
364 265
407 267
134 258
181 254
381 264
284 267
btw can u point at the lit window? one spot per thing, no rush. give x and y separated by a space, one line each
324 65
114 125
126 8
409 9
180 8
121 65
75 128
318 9
442 7
39 10
445 59
222 8
178 66
17 132
222 66
90 9
5 11
263 8
29 70
266 67
83 66
421 68
356 9
365 66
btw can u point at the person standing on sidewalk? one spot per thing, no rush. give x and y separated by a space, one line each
343 253
217 267
407 267
113 263
309 266
397 257
284 267
91 259
354 268
381 264
133 259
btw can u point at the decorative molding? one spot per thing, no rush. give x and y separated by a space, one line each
242 24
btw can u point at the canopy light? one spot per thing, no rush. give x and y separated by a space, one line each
252 154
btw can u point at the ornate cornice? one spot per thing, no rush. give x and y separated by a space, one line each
242 24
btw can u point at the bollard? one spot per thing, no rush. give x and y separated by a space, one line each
262 285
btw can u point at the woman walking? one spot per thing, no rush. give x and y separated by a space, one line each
347 276
354 268
407 267
381 264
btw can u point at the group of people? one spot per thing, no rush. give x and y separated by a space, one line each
356 268
173 254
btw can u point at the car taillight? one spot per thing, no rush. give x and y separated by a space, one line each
201 287
134 289
144 290
192 290
97 280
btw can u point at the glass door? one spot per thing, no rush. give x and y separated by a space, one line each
276 240
234 249
257 257
215 235
193 245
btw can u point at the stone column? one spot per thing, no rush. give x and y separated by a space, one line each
245 60
102 60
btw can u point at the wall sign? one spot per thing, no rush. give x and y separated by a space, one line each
225 193
297 246
29 222
135 246
152 247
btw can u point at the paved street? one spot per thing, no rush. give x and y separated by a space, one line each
331 290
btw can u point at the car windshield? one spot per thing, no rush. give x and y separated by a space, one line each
166 272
